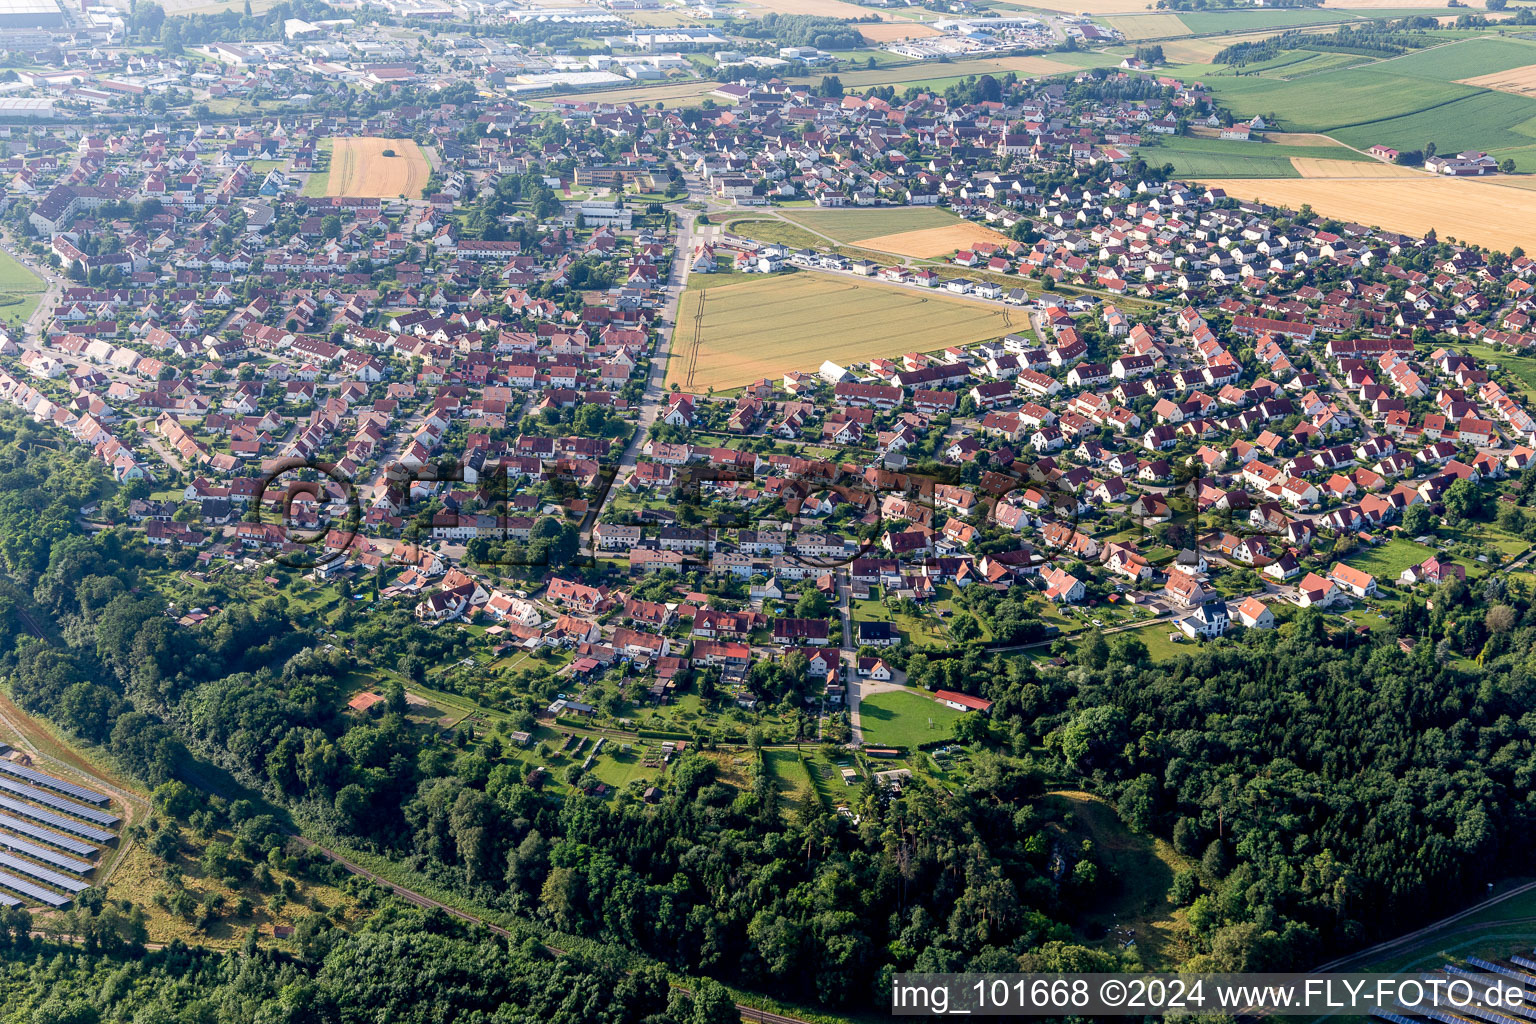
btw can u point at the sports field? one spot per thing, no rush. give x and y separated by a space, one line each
360 168
738 333
1484 212
905 719
926 243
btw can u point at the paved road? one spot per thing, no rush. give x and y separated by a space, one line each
655 394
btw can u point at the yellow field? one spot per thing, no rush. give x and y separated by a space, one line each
360 168
1315 167
765 327
1484 212
925 243
1301 139
1520 81
890 31
1148 26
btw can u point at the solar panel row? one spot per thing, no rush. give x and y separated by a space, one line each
7 900
53 782
47 856
58 821
41 873
32 831
31 891
42 796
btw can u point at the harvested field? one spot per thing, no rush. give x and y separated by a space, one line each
891 31
1474 211
849 224
738 333
1147 26
360 168
1311 167
1520 81
925 243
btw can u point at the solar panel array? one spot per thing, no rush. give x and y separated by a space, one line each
52 782
58 821
41 834
47 856
42 796
31 891
36 861
41 873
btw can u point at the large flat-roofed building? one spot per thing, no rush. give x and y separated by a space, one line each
31 14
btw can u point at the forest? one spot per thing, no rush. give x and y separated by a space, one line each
1325 789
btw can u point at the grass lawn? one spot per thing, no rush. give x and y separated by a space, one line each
1155 636
905 719
20 290
791 778
1387 561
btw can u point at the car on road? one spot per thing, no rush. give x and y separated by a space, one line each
1098 622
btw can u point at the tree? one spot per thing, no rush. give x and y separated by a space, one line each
1507 165
1462 501
1418 520
832 86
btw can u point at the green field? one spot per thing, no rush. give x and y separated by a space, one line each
1215 23
1466 58
20 290
1404 102
1387 561
905 719
1198 157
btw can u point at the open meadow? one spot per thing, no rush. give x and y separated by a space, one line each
360 168
1484 212
730 336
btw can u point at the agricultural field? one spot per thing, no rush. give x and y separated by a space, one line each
1313 167
1210 23
847 226
928 74
20 290
730 336
360 168
891 31
1453 61
1520 81
1483 212
1148 26
1198 157
925 243
905 718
